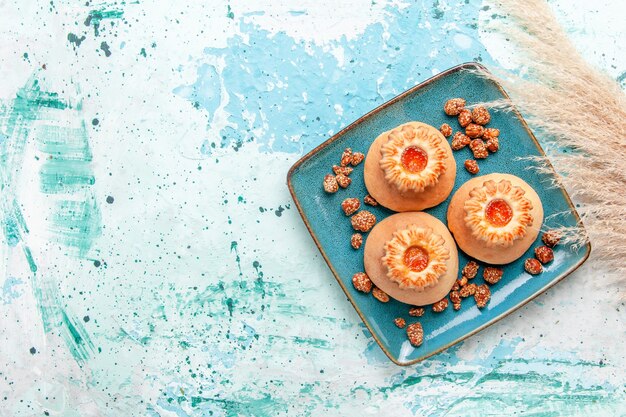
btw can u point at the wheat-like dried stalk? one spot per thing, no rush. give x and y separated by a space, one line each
576 107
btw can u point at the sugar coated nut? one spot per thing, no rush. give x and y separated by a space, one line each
551 238
492 275
342 170
357 158
474 131
445 129
544 254
493 145
490 133
471 166
380 295
350 206
462 281
532 266
346 157
455 297
343 180
456 286
456 306
363 221
482 295
330 184
470 270
417 311
400 322
454 106
370 201
479 149
440 305
480 115
356 241
415 333
459 141
362 282
469 289
465 117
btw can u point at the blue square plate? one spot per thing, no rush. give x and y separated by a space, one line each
331 229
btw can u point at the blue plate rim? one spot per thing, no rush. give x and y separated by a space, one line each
338 135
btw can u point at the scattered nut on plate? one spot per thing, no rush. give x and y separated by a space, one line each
533 266
482 295
465 118
471 166
470 270
551 238
445 129
370 201
346 157
399 322
454 106
380 295
415 333
330 184
440 305
356 241
363 221
417 311
362 282
350 206
544 254
343 180
459 141
480 115
492 275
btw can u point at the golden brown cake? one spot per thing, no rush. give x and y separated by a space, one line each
410 168
412 257
495 218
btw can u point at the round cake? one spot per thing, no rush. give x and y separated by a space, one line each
495 218
410 168
412 257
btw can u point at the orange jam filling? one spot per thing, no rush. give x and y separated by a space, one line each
414 159
416 258
498 212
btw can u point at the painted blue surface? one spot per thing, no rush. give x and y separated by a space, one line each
287 102
332 228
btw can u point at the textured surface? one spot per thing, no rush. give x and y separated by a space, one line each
152 260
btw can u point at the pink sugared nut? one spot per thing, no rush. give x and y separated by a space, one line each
480 115
363 221
454 106
544 254
532 266
465 117
330 184
357 158
471 166
362 282
356 241
415 333
343 180
346 157
445 129
350 206
459 141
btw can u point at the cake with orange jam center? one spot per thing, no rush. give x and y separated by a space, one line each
412 257
410 167
495 218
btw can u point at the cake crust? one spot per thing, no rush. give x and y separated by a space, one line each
485 250
378 272
392 197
